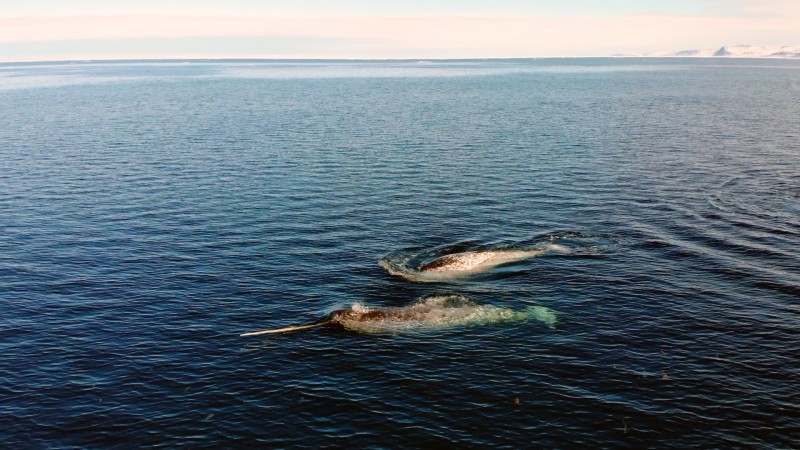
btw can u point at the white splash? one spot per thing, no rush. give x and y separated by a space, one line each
359 307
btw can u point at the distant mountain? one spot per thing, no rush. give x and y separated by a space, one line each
736 51
694 53
754 51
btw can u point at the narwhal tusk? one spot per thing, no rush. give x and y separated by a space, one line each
284 330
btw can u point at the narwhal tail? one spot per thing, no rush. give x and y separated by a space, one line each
284 330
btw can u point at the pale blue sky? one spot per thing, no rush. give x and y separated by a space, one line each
92 29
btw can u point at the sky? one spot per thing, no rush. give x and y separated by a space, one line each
36 30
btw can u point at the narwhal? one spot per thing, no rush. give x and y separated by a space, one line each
463 264
431 312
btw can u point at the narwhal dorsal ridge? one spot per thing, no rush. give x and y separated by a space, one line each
467 261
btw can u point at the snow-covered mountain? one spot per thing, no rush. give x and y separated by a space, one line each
755 51
737 51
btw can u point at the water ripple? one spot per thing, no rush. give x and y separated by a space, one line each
150 212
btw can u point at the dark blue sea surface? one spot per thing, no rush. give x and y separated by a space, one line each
150 212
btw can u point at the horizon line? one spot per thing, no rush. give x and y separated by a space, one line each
367 59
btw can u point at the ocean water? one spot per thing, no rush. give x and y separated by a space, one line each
150 212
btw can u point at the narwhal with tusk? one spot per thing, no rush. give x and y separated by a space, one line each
431 312
462 264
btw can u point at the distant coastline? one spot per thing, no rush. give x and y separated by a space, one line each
727 51
791 52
